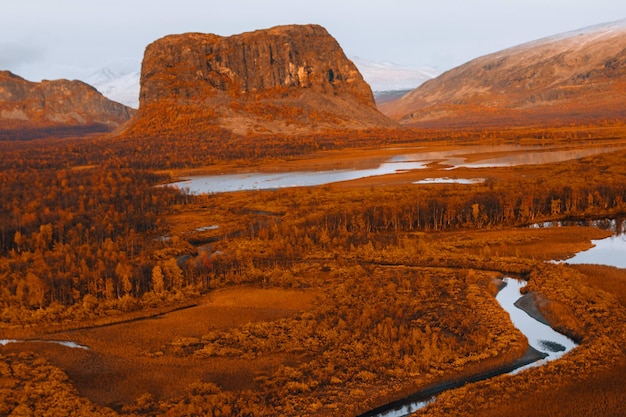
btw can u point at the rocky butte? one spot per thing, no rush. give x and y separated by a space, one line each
575 77
59 107
287 79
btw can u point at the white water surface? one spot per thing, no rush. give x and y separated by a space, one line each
446 180
273 180
406 159
610 251
406 410
65 343
540 336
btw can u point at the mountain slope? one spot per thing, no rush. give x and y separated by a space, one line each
287 79
576 77
58 107
117 85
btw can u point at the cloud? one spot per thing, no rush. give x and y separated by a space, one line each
15 55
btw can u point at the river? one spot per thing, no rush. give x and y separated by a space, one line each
551 344
610 251
66 343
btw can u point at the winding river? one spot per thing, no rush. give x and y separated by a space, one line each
551 344
610 251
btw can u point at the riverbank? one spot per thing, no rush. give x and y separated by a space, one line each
425 395
506 297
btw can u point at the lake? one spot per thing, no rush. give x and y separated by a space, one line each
406 159
610 251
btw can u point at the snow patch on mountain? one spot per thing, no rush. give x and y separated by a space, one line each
123 88
387 76
575 39
118 81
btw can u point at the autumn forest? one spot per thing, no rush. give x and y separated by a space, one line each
330 300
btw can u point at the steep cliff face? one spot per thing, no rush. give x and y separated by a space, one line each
29 109
573 77
284 79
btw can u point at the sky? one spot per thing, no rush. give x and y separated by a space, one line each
50 39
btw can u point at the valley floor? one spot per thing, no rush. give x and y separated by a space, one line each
328 300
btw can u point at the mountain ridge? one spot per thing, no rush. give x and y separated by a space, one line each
577 76
55 107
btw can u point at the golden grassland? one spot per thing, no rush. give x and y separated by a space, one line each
322 301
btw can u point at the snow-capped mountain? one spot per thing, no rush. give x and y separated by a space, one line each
123 88
118 81
387 76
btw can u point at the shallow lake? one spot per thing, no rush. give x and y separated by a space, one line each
610 251
406 159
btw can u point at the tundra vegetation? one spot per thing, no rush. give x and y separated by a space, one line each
378 291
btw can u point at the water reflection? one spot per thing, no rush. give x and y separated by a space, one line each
610 251
534 158
405 160
540 336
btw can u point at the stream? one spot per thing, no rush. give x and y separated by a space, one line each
66 343
549 343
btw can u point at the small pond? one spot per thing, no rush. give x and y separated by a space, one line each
610 251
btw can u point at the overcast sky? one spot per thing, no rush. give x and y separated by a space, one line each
65 38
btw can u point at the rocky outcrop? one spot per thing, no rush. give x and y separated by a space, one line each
286 79
29 109
568 78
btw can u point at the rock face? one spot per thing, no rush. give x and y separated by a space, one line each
29 109
574 77
284 79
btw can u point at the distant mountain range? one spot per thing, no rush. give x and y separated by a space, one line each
387 76
575 77
296 79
